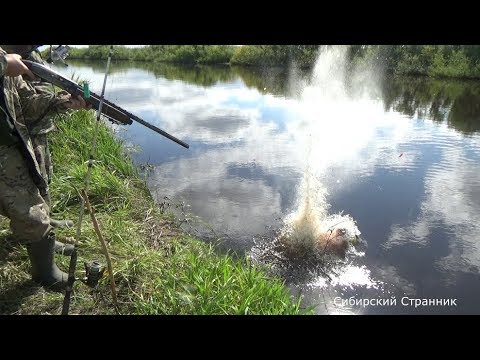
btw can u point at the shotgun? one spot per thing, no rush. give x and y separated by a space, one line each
113 112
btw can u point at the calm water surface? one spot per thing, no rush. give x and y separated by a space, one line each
399 155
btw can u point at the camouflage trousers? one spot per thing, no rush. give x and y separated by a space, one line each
20 198
42 154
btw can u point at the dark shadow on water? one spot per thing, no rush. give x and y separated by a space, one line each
456 102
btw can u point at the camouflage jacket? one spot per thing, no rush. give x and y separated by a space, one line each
27 106
45 124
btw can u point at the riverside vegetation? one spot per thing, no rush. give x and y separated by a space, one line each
457 61
158 269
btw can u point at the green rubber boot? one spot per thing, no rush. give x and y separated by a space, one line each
43 268
61 248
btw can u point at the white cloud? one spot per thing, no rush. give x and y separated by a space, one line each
452 188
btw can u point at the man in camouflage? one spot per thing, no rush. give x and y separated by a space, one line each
22 181
40 128
38 132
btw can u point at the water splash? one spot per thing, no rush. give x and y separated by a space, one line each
328 76
305 225
306 229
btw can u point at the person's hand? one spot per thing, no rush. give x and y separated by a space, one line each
77 103
16 67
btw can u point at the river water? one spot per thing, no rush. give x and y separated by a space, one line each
395 159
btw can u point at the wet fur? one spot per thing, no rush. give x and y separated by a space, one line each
334 242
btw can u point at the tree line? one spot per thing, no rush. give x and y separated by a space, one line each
460 61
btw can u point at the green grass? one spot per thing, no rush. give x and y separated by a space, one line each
157 268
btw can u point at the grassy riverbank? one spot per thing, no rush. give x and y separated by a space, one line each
158 269
451 61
